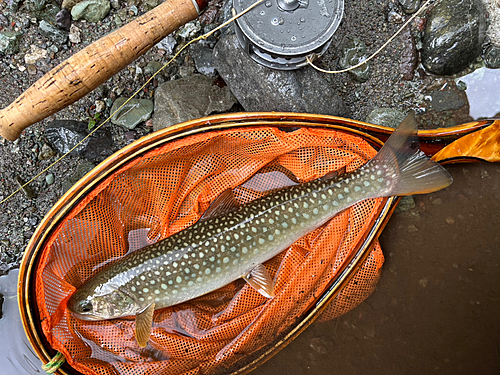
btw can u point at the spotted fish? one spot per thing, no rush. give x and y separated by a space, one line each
232 241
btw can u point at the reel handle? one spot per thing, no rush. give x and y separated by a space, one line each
89 68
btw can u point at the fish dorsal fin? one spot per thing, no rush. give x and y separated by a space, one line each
143 323
261 281
223 203
334 174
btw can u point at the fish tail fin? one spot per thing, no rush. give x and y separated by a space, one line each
408 168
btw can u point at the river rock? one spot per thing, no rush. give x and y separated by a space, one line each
453 36
63 135
189 98
410 6
386 117
9 42
259 88
492 57
203 60
132 113
63 19
409 56
446 100
353 51
91 10
81 170
52 32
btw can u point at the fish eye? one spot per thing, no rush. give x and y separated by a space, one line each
85 306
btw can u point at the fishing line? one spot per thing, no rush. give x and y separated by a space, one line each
310 60
204 36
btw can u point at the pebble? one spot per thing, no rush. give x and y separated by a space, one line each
9 42
133 113
492 57
385 117
450 220
412 228
81 170
31 69
410 6
52 32
353 51
409 56
152 68
189 30
449 47
91 10
63 135
100 106
36 53
167 44
446 100
46 152
63 19
75 34
49 179
423 282
203 60
437 202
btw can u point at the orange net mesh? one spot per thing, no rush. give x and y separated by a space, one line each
165 191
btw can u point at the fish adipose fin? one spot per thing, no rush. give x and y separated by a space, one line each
143 323
410 170
261 281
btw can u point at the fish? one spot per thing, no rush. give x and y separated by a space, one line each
232 241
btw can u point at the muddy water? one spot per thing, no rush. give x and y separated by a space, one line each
17 356
436 308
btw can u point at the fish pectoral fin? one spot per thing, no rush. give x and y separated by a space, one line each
143 323
223 203
261 281
334 174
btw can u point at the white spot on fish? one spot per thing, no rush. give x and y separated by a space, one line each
164 286
254 229
225 260
207 271
271 221
284 225
366 183
133 289
187 270
315 211
235 262
271 237
190 283
212 259
261 241
218 269
323 196
152 282
326 207
305 215
346 190
175 264
236 236
357 188
145 290
142 278
201 254
178 279
157 291
340 196
196 266
305 205
244 249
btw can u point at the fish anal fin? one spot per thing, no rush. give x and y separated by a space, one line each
334 174
225 202
261 281
143 323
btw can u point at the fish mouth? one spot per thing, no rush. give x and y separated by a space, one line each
85 316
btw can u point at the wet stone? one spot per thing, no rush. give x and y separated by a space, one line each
259 88
36 53
453 36
99 147
132 113
91 10
492 57
49 179
189 98
446 100
63 19
46 152
167 44
409 56
52 32
9 42
385 117
63 135
410 6
203 61
81 170
75 34
152 68
189 30
405 204
354 52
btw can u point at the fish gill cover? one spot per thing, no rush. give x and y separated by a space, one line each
167 190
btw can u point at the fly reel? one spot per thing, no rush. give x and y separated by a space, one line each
280 34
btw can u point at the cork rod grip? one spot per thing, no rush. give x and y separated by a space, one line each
87 69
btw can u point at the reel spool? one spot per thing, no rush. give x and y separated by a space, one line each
280 34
